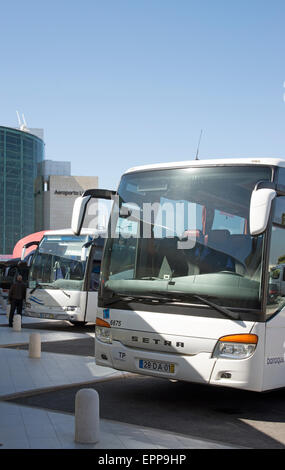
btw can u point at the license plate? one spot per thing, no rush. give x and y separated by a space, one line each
157 366
46 315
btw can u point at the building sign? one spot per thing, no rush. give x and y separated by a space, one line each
69 193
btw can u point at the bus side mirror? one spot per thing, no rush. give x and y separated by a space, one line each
27 245
23 253
260 206
78 213
80 204
83 253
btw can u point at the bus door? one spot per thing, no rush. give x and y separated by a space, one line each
92 279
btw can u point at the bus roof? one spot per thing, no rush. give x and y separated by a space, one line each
216 162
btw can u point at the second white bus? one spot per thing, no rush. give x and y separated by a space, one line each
64 277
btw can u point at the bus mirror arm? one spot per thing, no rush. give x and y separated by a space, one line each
100 193
27 245
80 206
279 188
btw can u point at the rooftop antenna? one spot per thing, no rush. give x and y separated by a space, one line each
198 148
24 121
22 125
19 120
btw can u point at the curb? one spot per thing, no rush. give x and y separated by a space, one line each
30 393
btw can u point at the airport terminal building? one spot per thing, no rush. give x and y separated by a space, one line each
20 153
55 194
35 194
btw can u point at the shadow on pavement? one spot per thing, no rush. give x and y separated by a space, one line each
226 415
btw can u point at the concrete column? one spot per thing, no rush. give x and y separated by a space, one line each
35 345
17 323
87 416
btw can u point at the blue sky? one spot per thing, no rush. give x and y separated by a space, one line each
118 83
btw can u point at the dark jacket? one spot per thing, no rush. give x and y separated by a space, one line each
17 291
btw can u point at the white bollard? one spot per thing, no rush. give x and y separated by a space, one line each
17 323
35 346
87 416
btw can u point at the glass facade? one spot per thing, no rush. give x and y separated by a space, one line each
20 153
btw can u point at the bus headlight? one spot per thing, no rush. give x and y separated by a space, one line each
236 346
103 331
103 334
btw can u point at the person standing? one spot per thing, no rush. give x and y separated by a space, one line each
17 294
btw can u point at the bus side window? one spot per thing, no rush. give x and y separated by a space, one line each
276 289
281 176
95 275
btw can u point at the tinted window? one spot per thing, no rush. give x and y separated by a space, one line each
276 289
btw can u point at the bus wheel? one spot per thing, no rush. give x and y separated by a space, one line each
78 323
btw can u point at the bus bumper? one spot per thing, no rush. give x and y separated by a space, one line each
53 315
196 368
200 368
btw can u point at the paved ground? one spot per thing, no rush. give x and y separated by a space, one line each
83 346
80 347
26 427
230 416
234 417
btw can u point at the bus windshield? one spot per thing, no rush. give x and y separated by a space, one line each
60 262
183 234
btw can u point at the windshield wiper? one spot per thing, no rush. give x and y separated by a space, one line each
168 297
225 311
40 286
65 293
35 288
156 298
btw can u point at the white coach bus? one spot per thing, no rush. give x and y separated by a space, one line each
184 294
64 276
